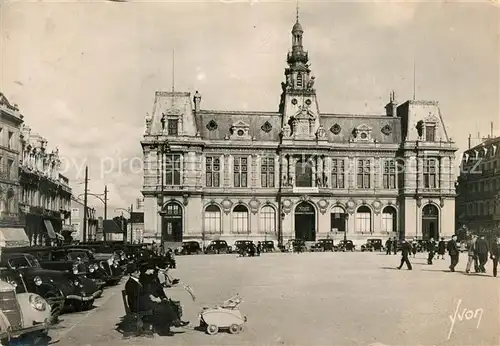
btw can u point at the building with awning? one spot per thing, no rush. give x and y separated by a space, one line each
13 237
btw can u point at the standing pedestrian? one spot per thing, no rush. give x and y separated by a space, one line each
405 252
395 245
388 246
453 252
431 247
495 254
414 245
472 254
441 248
482 253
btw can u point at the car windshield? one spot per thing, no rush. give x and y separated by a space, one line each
27 261
74 255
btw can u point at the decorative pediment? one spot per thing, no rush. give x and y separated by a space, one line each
304 114
431 118
362 133
172 112
240 130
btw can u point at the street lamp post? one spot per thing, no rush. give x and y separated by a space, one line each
104 201
346 217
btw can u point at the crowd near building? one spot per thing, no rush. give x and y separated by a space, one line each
478 188
296 172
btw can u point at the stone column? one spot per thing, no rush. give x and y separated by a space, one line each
377 172
292 161
283 179
252 164
182 169
227 163
320 170
314 171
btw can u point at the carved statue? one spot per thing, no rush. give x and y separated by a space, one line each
321 132
284 180
163 120
289 80
148 124
420 128
286 131
325 179
283 86
310 84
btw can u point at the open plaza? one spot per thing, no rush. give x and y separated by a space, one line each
328 298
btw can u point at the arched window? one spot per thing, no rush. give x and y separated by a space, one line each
268 219
389 221
337 219
363 219
212 219
240 219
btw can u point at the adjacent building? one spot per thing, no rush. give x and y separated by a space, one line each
45 194
76 221
296 172
10 125
136 225
478 187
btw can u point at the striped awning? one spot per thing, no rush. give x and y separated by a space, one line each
13 237
50 229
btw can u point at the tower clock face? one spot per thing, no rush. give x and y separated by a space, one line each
308 102
294 101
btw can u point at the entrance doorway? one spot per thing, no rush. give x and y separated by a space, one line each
430 222
172 223
337 219
305 222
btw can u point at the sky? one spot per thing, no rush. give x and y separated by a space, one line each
84 73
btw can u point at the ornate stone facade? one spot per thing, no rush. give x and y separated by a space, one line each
296 172
10 124
45 194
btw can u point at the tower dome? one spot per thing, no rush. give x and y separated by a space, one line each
297 28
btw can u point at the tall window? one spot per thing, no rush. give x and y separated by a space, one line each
240 219
338 169
363 220
389 174
268 219
212 220
389 221
212 169
267 172
240 172
172 170
11 142
430 133
10 167
299 79
430 173
363 179
303 173
172 127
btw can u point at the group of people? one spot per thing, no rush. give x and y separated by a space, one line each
477 250
146 294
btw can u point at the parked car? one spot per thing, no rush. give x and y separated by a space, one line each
240 245
346 245
48 290
296 245
79 291
324 245
191 247
218 246
374 244
24 316
267 246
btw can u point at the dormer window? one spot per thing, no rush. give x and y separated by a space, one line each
173 129
430 133
240 130
362 133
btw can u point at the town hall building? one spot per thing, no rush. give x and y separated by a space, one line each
295 172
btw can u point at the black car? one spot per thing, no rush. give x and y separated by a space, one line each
346 245
48 290
79 291
246 248
267 246
297 245
94 271
372 245
324 245
218 246
191 247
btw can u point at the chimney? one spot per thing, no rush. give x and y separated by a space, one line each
391 107
197 101
491 129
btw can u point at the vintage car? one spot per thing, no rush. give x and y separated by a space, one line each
47 290
324 245
240 245
79 291
296 245
190 247
372 245
267 246
24 317
346 245
217 247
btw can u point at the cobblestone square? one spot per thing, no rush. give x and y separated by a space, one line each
317 299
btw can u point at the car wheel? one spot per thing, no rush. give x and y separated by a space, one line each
212 329
234 329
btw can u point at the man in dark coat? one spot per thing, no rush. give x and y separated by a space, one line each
482 253
495 254
472 254
388 246
453 252
395 245
431 247
441 248
405 252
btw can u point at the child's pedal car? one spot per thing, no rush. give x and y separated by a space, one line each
224 316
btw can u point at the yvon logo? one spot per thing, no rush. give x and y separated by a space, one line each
465 314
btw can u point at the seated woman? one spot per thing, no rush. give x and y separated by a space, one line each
153 297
